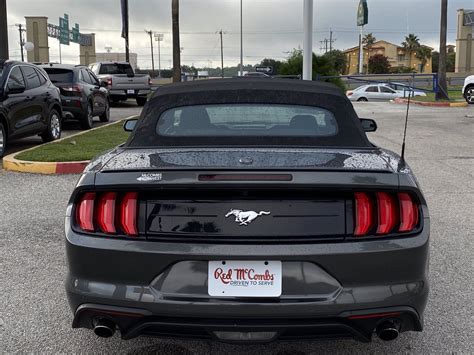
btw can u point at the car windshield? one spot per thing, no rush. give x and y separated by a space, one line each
60 75
114 69
247 120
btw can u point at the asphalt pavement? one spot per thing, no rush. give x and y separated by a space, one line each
34 315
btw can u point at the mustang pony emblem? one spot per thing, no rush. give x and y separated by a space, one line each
245 218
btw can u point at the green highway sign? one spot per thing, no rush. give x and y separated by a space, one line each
76 34
64 30
363 13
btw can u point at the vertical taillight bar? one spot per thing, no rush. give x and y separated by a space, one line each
128 214
363 214
387 213
85 212
408 213
106 213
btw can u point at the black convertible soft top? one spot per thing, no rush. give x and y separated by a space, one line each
250 91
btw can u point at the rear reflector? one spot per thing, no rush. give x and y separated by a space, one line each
128 214
408 213
106 213
363 208
391 213
85 212
387 215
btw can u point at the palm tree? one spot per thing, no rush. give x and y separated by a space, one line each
369 40
176 45
423 54
411 45
442 93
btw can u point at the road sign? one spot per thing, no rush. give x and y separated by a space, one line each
363 13
76 34
264 69
64 30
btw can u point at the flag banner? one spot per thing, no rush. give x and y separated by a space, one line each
124 18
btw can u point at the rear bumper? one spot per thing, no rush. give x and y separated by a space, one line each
124 94
73 108
322 284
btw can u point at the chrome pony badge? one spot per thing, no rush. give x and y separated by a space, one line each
245 218
150 177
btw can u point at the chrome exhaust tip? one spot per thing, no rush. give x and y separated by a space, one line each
388 331
104 328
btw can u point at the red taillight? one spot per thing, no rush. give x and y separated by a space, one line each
73 88
393 216
387 213
349 93
363 209
106 213
85 212
109 82
408 213
128 214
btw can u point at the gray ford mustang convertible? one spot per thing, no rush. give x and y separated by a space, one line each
248 210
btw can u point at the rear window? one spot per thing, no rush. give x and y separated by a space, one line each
60 75
247 120
113 69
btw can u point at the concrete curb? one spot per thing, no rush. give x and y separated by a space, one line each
432 104
10 163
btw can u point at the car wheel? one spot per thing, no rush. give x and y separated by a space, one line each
88 118
362 99
469 95
53 132
3 140
141 101
105 117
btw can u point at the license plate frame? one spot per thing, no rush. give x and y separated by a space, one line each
245 278
130 92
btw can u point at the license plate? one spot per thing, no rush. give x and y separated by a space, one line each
244 278
131 92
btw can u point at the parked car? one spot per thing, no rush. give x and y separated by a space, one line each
29 104
82 94
405 89
122 81
373 93
248 210
468 89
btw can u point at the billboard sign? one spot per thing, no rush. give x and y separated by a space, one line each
363 13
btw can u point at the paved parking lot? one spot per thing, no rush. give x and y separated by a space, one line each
34 315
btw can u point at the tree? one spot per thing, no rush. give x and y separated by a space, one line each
442 93
424 54
379 64
338 60
411 45
369 40
451 62
176 42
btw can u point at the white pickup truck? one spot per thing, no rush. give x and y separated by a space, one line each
468 89
122 81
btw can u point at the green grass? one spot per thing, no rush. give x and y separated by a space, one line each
83 147
454 93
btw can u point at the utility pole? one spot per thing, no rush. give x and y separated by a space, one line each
3 30
442 93
241 40
222 53
22 42
330 41
150 33
308 40
176 42
159 39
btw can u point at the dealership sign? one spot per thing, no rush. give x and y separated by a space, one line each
363 13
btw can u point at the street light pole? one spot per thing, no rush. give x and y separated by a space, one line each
3 30
22 42
150 33
159 38
308 40
241 40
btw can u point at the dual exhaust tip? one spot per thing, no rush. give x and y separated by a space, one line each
388 330
104 328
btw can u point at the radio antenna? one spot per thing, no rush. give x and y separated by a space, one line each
406 123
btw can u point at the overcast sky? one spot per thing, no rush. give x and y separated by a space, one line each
271 27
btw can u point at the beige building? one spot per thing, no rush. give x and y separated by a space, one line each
397 57
465 42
